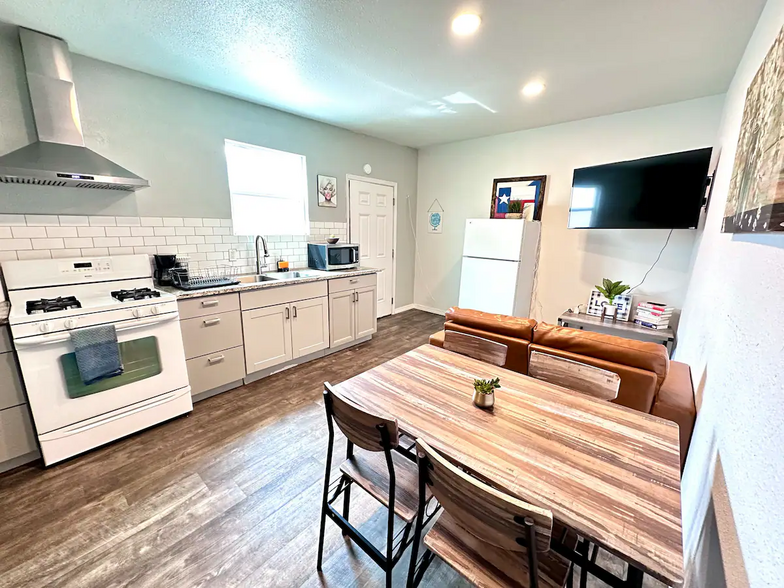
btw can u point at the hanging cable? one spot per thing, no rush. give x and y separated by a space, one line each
650 269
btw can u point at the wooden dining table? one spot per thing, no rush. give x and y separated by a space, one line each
609 473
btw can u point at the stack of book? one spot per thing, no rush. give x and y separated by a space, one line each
653 315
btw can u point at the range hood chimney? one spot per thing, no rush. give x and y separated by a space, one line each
59 157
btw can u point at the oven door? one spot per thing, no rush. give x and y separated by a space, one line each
153 359
342 256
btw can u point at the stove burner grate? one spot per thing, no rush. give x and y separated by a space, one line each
135 294
52 304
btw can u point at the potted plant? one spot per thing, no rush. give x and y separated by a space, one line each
610 290
515 209
484 392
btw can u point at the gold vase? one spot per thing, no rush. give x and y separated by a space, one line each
484 400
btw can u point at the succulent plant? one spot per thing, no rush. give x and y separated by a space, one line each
515 206
487 386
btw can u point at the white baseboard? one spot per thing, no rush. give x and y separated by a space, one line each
404 308
429 309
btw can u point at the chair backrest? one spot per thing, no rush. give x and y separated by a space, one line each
581 377
488 514
476 347
361 427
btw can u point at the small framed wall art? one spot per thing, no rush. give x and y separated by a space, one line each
518 197
327 191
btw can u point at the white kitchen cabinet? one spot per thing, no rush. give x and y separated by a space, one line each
309 326
352 315
267 336
365 312
341 318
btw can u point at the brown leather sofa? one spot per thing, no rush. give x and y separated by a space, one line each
650 382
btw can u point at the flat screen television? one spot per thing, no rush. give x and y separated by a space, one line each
663 192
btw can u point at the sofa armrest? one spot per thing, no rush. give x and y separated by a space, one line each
675 402
437 339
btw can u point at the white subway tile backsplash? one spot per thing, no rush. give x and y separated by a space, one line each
91 231
173 222
203 230
48 244
118 231
42 220
73 221
8 255
152 221
95 252
195 240
141 232
131 241
104 242
102 221
213 239
9 220
175 240
15 244
186 249
155 240
61 232
61 253
120 250
168 249
5 233
38 254
163 231
128 221
221 231
80 243
184 230
197 256
225 222
211 222
146 249
28 232
206 248
193 222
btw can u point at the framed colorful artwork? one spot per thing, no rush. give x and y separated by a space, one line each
327 191
518 198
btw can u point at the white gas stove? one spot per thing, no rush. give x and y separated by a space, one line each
51 298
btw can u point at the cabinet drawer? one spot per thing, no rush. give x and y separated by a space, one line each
343 284
18 437
193 307
214 332
216 369
11 393
282 295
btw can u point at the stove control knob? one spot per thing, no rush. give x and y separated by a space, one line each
138 312
45 327
154 310
70 323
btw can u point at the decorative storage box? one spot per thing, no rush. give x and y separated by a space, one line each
623 302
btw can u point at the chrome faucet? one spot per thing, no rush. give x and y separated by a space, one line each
259 264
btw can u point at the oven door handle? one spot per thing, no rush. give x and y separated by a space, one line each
60 337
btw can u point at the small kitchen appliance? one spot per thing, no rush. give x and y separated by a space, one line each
164 264
52 298
326 256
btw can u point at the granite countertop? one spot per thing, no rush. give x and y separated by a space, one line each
5 308
243 287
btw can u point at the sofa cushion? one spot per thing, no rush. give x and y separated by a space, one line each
639 354
675 402
638 387
510 326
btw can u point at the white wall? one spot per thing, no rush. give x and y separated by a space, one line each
731 334
172 135
461 176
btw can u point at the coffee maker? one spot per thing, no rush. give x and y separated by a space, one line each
164 264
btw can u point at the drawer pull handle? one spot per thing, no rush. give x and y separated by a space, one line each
211 322
208 303
295 312
216 359
288 315
354 281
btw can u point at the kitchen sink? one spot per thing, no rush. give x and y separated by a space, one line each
278 276
252 279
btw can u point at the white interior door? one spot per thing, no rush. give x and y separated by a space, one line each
372 226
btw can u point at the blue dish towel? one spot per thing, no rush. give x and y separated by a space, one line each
97 353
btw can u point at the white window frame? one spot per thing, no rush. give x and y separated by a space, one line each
267 227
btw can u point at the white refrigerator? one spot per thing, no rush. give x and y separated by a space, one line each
499 264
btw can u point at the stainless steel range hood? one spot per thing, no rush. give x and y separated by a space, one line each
59 157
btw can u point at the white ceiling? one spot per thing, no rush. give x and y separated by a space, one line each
380 67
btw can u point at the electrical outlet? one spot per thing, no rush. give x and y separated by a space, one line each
234 255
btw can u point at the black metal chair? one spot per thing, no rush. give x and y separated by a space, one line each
378 469
489 537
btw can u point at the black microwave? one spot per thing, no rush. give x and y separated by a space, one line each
323 256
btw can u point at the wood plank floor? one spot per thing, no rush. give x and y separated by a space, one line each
227 496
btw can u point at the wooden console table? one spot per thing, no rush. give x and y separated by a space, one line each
625 329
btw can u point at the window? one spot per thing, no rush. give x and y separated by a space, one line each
269 190
584 202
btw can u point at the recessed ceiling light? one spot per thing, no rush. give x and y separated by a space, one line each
466 24
532 89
